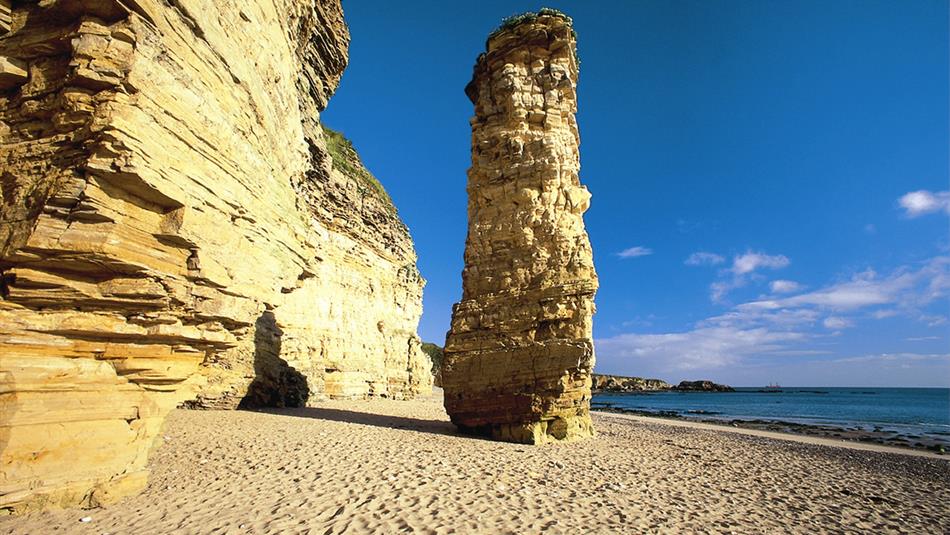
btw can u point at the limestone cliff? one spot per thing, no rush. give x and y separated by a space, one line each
519 354
173 228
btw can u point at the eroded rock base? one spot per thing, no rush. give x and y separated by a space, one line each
558 429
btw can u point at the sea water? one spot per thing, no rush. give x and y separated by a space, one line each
914 411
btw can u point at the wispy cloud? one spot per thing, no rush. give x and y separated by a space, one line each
703 258
719 289
934 320
921 338
906 288
751 261
784 286
640 321
918 203
836 323
742 269
706 347
785 326
634 252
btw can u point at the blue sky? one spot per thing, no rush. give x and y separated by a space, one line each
769 178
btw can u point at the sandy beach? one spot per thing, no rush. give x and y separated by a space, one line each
384 466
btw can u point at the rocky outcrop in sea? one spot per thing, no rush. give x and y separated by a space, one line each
701 386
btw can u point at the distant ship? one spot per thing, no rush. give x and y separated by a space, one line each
773 386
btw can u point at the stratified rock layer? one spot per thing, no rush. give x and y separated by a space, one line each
519 354
173 227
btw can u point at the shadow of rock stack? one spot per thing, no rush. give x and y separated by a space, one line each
276 383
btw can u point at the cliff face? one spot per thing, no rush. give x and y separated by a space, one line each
173 228
519 353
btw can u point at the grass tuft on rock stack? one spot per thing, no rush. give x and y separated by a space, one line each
530 16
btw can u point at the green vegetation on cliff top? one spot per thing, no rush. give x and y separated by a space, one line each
530 16
435 353
347 161
514 20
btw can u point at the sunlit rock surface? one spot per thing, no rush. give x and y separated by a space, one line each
173 228
519 354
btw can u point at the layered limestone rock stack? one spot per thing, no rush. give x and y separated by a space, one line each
173 228
519 354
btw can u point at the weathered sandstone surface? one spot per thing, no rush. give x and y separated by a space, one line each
519 354
174 228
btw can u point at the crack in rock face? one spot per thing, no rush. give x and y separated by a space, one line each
519 355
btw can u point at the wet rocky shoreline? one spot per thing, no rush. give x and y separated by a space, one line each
876 435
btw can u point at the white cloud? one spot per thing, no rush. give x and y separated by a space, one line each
743 268
933 321
906 288
744 318
800 352
847 296
781 326
719 289
884 313
634 252
703 258
837 323
922 338
918 203
750 261
784 286
706 347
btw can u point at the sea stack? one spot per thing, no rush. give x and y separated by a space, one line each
519 355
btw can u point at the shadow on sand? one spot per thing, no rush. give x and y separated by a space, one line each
436 427
276 383
280 389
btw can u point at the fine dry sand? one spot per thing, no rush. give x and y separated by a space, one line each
388 467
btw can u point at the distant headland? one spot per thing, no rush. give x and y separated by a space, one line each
620 383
